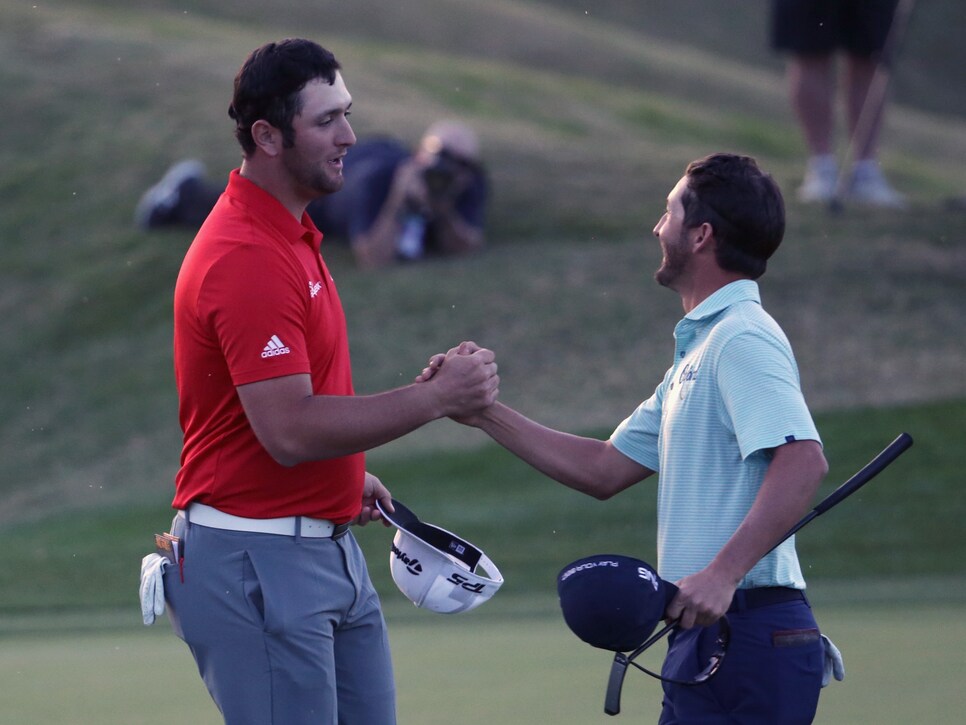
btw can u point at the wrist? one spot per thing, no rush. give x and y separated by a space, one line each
726 572
433 399
488 419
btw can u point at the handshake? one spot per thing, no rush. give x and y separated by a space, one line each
464 380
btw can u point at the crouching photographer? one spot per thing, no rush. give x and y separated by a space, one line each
435 204
395 204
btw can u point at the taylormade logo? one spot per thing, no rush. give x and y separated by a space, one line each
275 347
412 565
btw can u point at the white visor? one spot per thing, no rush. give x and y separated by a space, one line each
436 569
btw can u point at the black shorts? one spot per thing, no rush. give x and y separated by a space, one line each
816 27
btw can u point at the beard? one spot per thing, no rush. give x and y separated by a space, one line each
315 177
675 261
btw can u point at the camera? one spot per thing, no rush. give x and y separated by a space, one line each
439 175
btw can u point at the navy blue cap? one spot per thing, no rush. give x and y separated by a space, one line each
612 602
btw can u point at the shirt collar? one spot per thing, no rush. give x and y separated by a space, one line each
272 211
739 291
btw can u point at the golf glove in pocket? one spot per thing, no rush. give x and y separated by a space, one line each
152 587
834 666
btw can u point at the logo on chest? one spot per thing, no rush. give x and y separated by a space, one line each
314 288
686 378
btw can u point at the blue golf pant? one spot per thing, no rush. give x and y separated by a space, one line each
284 630
771 674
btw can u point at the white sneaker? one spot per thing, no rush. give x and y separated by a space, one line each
868 186
821 179
156 205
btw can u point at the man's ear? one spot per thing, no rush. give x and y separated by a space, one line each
703 238
267 138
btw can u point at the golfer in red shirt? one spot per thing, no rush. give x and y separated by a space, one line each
272 595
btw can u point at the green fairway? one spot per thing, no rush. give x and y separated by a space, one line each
903 665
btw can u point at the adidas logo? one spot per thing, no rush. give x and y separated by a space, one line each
275 347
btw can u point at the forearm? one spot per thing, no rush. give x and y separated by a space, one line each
790 484
587 465
295 425
377 246
325 426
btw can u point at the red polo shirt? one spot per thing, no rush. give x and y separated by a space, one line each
254 300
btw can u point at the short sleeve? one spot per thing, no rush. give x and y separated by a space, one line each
254 307
761 395
637 435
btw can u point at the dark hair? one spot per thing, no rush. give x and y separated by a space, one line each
742 204
269 85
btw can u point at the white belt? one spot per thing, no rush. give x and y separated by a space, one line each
203 515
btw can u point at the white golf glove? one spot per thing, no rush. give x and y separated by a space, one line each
152 587
834 666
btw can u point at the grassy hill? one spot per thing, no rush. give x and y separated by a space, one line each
587 120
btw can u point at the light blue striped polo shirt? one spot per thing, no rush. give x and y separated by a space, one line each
731 396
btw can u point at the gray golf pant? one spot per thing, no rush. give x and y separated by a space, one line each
284 630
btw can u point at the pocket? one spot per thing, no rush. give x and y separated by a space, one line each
784 638
178 526
252 589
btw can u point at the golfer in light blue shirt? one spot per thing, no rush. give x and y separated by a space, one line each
738 458
730 398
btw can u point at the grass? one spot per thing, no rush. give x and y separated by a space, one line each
480 668
905 521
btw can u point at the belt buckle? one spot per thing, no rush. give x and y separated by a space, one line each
340 530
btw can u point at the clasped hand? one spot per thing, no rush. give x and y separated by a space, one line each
467 379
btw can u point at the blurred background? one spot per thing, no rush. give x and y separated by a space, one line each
588 114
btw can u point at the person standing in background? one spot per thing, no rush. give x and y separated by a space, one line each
812 33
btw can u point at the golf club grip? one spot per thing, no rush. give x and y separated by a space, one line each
869 471
612 701
872 469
